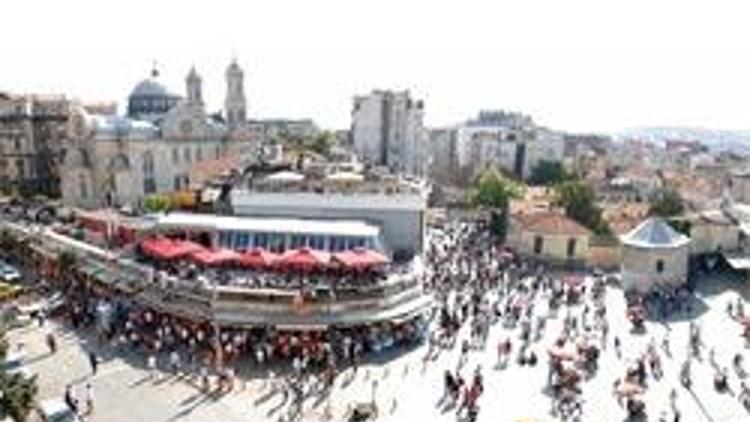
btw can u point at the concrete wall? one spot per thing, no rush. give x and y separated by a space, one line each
708 238
639 267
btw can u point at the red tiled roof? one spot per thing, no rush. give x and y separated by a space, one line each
553 223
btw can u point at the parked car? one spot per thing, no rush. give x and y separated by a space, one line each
15 363
55 410
9 273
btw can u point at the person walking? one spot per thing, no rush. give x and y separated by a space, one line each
89 399
70 399
93 362
51 343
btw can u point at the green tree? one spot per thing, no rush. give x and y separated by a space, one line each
18 391
493 191
666 203
579 200
549 173
321 143
156 203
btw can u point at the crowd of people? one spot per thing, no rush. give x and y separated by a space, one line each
479 284
480 287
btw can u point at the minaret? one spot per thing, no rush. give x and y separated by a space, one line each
235 106
193 84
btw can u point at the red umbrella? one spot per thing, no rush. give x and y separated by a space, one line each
157 247
215 257
183 248
304 257
361 258
258 257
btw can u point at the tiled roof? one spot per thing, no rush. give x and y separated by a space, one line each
552 223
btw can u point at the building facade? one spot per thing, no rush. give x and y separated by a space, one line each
550 236
508 141
118 160
388 130
396 206
33 133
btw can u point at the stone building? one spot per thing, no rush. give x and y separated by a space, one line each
654 255
33 132
119 160
388 130
551 237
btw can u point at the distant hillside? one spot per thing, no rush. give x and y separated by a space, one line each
717 140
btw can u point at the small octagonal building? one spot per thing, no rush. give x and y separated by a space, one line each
654 254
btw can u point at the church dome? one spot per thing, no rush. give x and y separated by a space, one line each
150 99
149 88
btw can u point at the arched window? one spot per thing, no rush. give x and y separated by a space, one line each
148 162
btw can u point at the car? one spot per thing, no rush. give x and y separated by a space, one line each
9 273
15 363
56 410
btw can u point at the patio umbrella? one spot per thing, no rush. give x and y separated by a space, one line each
215 256
158 247
258 257
361 258
183 248
304 258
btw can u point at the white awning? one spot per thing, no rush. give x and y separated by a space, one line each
210 195
738 262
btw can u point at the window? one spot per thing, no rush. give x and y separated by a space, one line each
538 244
17 143
198 154
187 155
571 247
83 189
243 241
175 156
659 266
217 151
177 182
149 185
20 169
148 163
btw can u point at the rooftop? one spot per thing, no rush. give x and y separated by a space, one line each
553 223
268 225
654 233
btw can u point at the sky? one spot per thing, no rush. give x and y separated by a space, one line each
575 65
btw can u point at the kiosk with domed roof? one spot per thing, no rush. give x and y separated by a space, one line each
654 254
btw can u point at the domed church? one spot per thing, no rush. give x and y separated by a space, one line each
161 141
150 99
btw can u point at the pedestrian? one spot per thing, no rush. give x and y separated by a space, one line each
70 399
93 362
151 366
51 343
174 362
89 399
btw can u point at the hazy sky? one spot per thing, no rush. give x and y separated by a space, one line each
575 64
